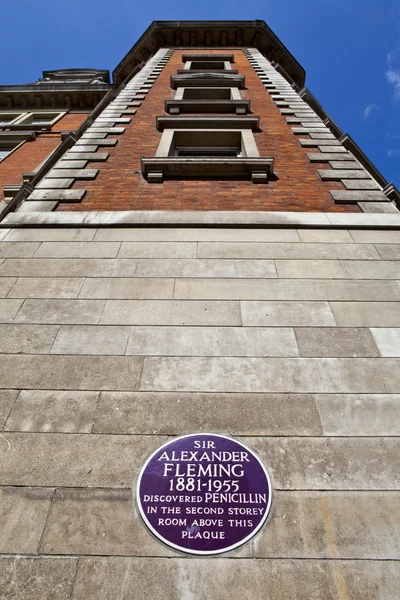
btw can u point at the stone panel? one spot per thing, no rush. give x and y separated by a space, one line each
157 250
206 268
33 578
78 250
7 399
366 314
27 339
341 342
287 251
286 314
68 267
127 288
62 312
91 339
46 287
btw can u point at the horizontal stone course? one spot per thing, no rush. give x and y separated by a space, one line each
286 250
78 250
206 268
366 314
48 287
60 312
128 288
68 267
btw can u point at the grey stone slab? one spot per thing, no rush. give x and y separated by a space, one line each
40 206
387 340
363 184
78 250
101 129
31 578
45 234
322 136
362 269
359 414
52 411
27 339
67 267
295 250
59 195
75 149
70 372
89 136
62 312
329 147
212 341
91 339
299 130
286 314
46 287
18 249
174 414
54 184
389 251
97 142
29 219
22 518
314 463
170 312
205 268
111 120
352 220
8 309
366 314
128 288
274 579
358 196
378 207
85 153
337 174
286 289
343 164
71 164
337 236
329 142
157 249
311 269
332 525
162 234
7 399
6 283
281 375
336 342
328 156
97 522
75 173
365 236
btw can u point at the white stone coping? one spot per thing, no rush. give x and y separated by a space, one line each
204 218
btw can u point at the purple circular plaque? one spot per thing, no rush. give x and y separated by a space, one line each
204 493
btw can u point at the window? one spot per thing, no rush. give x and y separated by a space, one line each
41 119
5 151
204 99
8 118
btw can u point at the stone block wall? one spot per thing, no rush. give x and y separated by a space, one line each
114 339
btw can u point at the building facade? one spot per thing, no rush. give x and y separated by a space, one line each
195 247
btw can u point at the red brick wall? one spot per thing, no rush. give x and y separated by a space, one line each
120 185
28 156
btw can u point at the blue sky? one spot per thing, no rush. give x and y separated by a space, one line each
349 48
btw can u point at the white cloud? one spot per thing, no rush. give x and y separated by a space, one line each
370 110
393 153
393 77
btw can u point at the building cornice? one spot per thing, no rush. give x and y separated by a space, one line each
210 34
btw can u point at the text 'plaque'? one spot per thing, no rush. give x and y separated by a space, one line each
204 493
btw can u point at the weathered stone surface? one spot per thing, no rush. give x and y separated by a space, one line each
328 142
174 414
375 237
97 142
127 288
281 375
87 153
378 207
326 157
52 411
312 524
343 164
45 234
89 267
32 578
311 269
8 309
366 314
90 339
157 250
337 236
7 399
74 173
337 174
389 251
286 251
46 287
61 312
70 372
359 414
358 196
59 195
212 341
27 339
272 579
344 342
78 250
162 234
71 164
54 184
286 314
170 312
387 340
360 269
362 184
18 249
29 206
205 268
286 289
22 518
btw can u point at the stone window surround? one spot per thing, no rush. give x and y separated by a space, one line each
249 163
190 65
23 118
201 100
